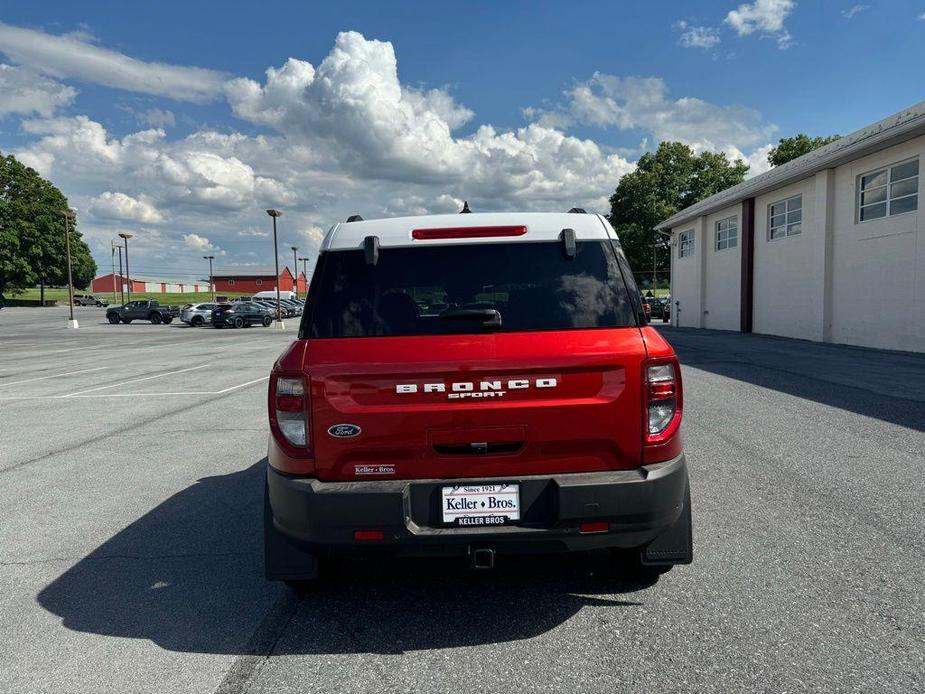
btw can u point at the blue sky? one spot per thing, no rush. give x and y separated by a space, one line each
161 118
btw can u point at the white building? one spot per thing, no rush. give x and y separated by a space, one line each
827 247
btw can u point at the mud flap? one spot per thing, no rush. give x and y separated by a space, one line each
676 544
284 560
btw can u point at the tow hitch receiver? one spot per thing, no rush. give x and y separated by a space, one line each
483 558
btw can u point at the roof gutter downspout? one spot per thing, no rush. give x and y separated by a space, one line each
747 274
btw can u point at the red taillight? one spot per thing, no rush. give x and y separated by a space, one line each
290 403
662 388
467 232
290 411
594 527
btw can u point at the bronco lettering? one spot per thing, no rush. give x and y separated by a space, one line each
481 389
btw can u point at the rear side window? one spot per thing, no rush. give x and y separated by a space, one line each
424 290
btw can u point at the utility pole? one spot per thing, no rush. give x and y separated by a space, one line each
304 260
69 215
210 258
279 314
295 269
128 272
121 277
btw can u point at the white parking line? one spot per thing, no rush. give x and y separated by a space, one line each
135 380
43 378
249 383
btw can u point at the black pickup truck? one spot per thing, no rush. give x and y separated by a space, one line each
142 310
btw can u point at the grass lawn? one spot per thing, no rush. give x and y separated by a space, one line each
60 295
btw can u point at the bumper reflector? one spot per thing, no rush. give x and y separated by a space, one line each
368 535
595 527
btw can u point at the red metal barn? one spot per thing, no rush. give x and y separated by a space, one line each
247 279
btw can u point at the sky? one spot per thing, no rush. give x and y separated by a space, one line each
182 122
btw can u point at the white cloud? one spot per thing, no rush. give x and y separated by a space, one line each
310 239
853 10
697 36
764 16
757 159
253 233
156 118
73 56
125 208
643 103
24 92
196 242
353 117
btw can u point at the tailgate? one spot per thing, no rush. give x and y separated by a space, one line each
491 405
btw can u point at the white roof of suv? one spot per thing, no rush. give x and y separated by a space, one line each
541 226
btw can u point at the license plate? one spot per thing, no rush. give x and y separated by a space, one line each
481 504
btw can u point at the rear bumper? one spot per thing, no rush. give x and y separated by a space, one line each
638 506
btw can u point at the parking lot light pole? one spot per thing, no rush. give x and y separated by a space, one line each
121 277
210 258
279 315
69 215
295 269
304 260
126 237
113 244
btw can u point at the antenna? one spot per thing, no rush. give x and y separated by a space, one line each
465 209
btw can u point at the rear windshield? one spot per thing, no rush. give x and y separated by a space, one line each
477 288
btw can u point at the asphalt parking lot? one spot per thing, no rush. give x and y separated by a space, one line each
131 462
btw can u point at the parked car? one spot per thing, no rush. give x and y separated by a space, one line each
521 419
295 308
142 310
270 304
666 309
89 300
197 315
657 308
240 315
647 309
284 311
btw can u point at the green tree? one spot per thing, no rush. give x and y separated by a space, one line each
792 147
32 246
665 182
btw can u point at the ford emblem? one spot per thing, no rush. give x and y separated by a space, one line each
344 431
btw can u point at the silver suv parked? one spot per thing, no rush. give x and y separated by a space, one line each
197 315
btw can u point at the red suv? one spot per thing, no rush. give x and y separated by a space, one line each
475 385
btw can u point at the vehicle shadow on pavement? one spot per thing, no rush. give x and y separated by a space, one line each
889 386
188 576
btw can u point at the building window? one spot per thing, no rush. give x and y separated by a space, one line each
888 191
259 282
686 243
785 218
230 282
727 234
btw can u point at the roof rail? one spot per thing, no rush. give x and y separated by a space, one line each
574 210
354 218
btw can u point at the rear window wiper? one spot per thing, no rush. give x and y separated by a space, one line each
488 317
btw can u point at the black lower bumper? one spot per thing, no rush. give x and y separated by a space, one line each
638 507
